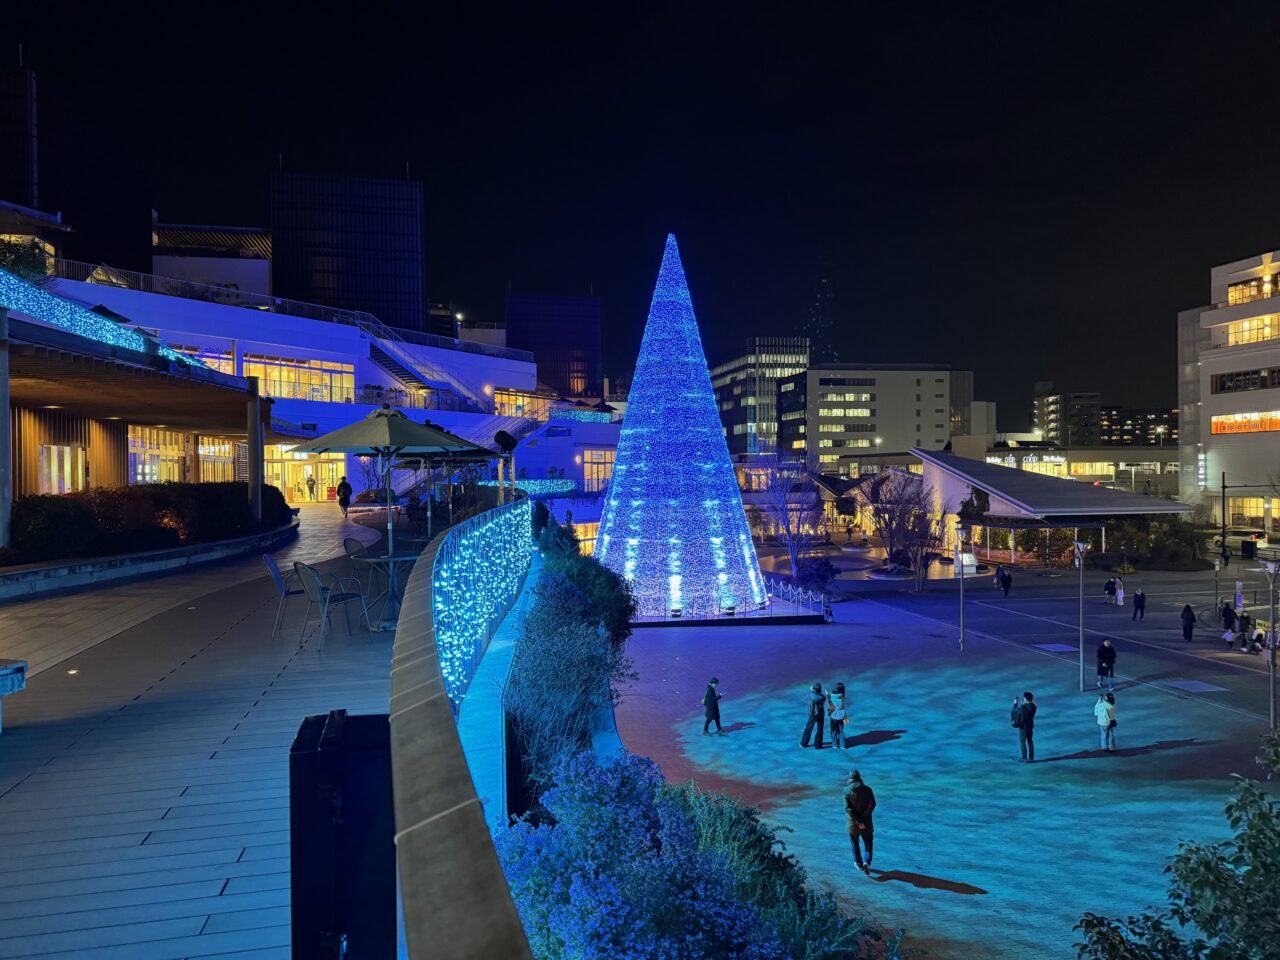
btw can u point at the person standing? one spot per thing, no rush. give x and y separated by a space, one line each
1109 588
1244 627
836 715
1104 713
1188 621
998 582
859 805
711 708
1228 615
1119 592
311 486
1139 605
1023 717
817 714
1006 581
1107 665
344 495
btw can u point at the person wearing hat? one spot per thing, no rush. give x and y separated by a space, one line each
711 704
817 716
859 804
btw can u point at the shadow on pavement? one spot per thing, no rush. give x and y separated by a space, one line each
740 725
1156 747
872 737
922 882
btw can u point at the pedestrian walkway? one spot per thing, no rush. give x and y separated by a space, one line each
977 855
144 802
48 630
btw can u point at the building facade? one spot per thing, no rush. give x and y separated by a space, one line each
746 390
1138 426
352 243
1229 395
833 414
1073 419
563 334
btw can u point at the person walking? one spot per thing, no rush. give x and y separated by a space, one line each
836 716
817 713
1139 605
1104 713
1228 615
1107 664
1188 621
859 805
1244 629
1119 592
1109 588
998 582
1023 717
711 708
1006 581
344 495
311 487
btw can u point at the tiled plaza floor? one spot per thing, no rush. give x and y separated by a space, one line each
977 855
144 781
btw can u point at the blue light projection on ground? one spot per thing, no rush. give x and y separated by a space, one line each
17 294
478 570
673 523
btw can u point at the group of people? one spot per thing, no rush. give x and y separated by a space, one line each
1114 589
1003 580
1237 625
825 707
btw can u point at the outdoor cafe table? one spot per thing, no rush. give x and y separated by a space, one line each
393 595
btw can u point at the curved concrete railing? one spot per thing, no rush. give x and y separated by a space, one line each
455 898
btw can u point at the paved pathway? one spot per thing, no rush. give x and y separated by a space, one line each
144 783
47 631
977 855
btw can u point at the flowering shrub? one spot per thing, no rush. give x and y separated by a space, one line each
625 867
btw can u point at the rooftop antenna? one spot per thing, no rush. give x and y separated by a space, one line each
406 169
280 161
20 53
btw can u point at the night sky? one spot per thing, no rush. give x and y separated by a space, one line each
1032 192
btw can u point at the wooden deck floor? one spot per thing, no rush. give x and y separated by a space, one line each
144 796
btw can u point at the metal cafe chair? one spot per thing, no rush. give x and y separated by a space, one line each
328 596
288 588
354 550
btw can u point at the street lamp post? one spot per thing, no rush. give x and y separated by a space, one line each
1081 548
961 532
1271 568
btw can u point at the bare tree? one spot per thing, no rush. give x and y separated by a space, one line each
889 500
789 499
923 540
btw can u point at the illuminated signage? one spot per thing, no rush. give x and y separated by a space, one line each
1267 422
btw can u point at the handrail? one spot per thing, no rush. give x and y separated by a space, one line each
809 599
449 871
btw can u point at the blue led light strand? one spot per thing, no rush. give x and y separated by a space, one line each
541 488
17 294
673 522
580 416
478 570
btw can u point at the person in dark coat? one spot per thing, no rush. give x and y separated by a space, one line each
1107 665
1006 581
711 706
344 495
859 805
1139 605
311 487
1228 615
1023 717
1188 621
817 701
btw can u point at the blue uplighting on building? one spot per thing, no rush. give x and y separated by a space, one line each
673 523
17 294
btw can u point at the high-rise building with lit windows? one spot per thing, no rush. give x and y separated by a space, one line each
1229 395
746 385
563 334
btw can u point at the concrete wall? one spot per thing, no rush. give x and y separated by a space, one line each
236 273
106 444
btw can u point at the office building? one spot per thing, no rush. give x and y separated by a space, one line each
19 137
746 389
1073 419
351 243
1229 394
563 334
836 415
1138 426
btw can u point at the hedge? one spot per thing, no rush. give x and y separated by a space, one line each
103 521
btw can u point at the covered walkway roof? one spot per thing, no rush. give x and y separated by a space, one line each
1023 498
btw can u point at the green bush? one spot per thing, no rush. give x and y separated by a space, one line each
102 521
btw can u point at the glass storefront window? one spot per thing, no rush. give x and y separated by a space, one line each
289 472
62 468
1253 330
1246 512
597 469
285 378
155 455
1095 469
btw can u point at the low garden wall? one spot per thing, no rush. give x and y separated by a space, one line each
456 903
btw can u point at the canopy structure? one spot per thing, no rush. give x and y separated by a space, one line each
389 434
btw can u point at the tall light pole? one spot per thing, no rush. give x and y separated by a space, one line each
961 531
1271 568
1081 549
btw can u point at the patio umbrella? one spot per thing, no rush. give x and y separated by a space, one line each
388 434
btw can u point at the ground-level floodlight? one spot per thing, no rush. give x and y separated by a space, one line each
1271 568
1081 549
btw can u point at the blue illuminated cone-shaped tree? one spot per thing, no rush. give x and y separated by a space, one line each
673 522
